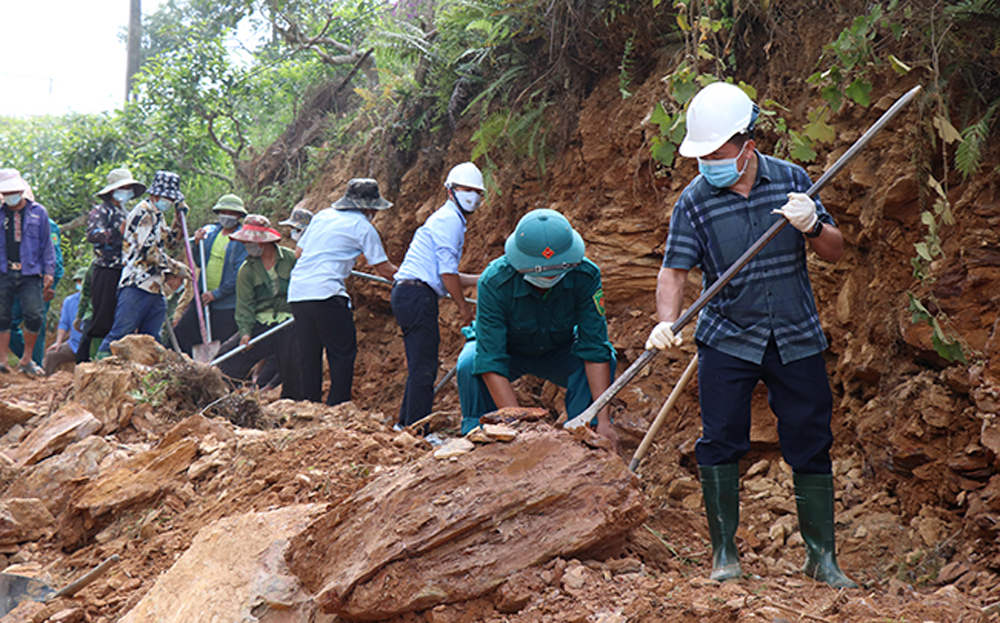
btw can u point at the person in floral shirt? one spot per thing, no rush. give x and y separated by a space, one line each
105 224
145 243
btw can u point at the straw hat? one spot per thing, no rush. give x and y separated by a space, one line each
166 184
119 178
256 229
12 182
362 194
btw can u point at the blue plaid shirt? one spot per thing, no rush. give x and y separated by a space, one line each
771 297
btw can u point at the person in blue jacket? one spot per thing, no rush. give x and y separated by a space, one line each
17 317
223 258
27 265
540 311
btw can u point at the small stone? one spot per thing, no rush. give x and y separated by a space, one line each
499 432
454 448
861 532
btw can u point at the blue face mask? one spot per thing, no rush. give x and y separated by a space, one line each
121 195
722 173
163 205
12 200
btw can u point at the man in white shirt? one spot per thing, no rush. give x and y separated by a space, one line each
320 304
429 272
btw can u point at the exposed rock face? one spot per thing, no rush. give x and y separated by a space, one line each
131 482
441 531
71 423
234 571
24 519
54 479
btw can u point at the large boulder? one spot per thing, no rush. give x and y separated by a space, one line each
235 571
440 531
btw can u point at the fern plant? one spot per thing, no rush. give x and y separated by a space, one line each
969 153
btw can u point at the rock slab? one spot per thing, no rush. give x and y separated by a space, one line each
437 532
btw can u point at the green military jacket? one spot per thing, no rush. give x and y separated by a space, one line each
254 293
514 318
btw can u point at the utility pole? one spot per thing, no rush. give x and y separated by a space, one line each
134 44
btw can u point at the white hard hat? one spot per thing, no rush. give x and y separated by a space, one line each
465 174
717 113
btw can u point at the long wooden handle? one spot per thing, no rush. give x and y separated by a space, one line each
661 417
738 265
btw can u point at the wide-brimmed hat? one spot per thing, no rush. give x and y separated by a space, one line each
362 194
299 218
257 229
119 178
166 184
12 182
230 202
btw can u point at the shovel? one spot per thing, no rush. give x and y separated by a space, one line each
201 351
240 349
15 589
207 350
647 356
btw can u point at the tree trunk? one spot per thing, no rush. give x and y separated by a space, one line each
134 44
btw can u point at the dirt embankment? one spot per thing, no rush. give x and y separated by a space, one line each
916 441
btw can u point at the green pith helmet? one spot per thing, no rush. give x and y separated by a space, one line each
80 274
544 243
229 202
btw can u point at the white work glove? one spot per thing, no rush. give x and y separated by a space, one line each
662 337
800 211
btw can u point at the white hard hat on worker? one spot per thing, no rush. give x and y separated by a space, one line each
717 115
465 186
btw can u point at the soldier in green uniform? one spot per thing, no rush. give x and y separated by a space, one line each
540 311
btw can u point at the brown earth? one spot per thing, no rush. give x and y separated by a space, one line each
916 438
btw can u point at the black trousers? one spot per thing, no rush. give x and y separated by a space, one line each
283 345
103 300
328 325
188 331
415 307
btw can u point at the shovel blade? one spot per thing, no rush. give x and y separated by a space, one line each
17 588
205 353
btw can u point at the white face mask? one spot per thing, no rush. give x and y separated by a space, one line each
544 282
468 200
296 234
228 221
253 249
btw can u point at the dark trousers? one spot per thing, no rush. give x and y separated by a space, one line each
415 307
103 300
138 310
559 366
798 394
328 325
283 345
188 330
15 286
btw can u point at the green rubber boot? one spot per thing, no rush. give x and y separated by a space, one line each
814 501
720 485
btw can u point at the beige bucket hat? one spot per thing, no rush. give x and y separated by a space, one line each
120 178
256 229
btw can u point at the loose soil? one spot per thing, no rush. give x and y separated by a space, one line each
918 499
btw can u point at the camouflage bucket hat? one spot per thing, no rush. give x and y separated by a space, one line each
362 194
299 218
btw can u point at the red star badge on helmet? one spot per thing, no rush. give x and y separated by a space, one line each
548 253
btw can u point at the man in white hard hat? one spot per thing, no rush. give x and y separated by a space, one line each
762 327
429 272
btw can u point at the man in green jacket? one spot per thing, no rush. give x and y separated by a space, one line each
262 304
540 311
